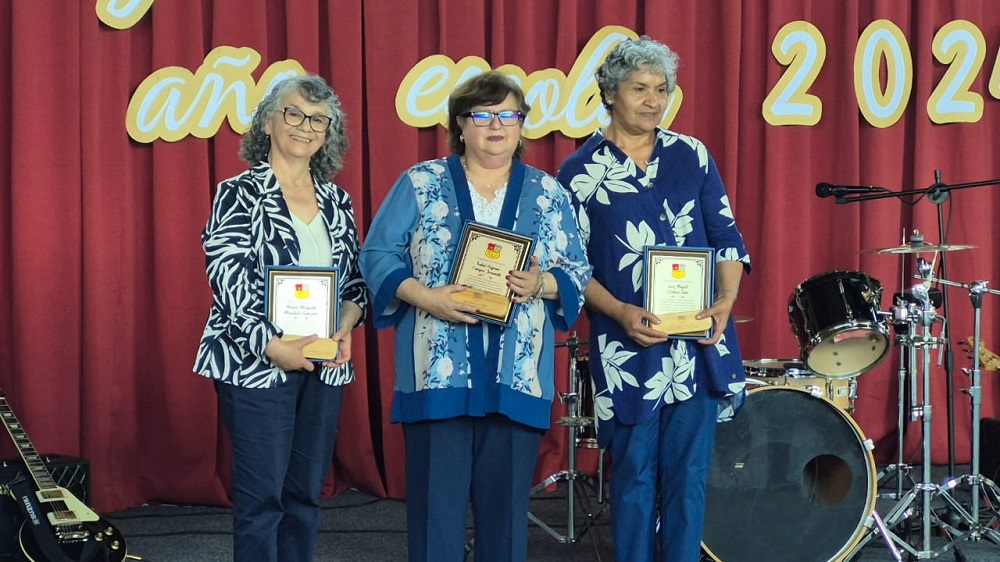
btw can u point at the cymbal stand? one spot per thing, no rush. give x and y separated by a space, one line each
579 484
979 485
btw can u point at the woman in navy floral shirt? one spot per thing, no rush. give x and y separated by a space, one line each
656 398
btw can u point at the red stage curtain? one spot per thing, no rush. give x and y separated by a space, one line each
103 294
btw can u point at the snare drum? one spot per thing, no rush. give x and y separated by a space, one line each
793 373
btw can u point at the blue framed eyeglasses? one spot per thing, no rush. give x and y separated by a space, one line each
507 117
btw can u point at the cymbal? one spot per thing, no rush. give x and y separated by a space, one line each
919 248
740 319
571 342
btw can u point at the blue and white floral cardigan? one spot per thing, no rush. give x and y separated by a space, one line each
446 370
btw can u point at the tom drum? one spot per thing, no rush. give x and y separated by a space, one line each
586 436
837 320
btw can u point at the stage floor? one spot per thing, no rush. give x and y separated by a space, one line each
360 528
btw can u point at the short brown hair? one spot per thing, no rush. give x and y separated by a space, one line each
488 88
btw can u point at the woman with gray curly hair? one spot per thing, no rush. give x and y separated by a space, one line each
278 398
658 389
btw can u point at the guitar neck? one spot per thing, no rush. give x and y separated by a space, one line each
74 531
989 360
32 460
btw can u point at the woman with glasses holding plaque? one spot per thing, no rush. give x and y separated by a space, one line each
279 407
474 381
658 396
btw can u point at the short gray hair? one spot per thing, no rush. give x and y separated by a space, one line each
631 55
255 145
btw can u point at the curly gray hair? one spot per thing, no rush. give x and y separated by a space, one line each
631 55
256 145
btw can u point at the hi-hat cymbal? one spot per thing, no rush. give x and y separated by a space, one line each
919 248
740 319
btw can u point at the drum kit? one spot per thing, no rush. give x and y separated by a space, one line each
818 478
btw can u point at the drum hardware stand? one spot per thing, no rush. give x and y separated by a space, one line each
904 508
579 484
903 312
978 484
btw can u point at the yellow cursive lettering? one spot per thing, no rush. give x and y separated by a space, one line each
569 104
172 102
122 14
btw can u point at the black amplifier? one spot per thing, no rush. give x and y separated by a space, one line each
989 448
67 472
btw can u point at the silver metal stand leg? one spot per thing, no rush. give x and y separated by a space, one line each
880 525
579 485
880 530
979 486
908 507
907 359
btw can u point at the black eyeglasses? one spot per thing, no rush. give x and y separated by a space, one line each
507 117
294 118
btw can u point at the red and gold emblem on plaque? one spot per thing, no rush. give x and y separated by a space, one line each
301 290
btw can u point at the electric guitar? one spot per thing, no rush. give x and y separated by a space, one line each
57 526
989 360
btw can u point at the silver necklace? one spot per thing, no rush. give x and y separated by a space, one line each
484 186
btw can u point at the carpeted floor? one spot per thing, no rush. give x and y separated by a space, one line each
361 528
770 520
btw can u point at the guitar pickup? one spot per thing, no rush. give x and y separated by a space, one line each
73 536
52 494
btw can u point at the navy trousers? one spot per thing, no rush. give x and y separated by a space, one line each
661 468
489 460
282 440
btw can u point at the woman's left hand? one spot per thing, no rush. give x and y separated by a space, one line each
343 339
350 313
526 284
719 312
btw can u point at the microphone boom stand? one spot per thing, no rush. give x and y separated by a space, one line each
969 524
937 193
938 196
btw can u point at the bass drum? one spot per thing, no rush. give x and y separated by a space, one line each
792 480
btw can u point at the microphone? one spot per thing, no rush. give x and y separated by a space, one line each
827 189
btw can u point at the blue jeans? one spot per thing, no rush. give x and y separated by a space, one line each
282 440
661 468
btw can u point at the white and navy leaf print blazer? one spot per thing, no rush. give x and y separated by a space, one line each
251 228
